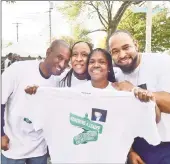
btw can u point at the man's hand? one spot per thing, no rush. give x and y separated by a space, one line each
4 143
123 86
141 94
134 158
31 90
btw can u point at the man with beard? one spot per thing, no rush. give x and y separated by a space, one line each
20 143
150 72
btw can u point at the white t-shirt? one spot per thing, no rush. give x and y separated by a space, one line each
154 72
25 142
74 80
59 78
88 86
72 134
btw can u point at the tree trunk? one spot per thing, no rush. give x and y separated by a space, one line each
110 31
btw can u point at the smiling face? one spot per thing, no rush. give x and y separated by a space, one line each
79 57
124 51
98 66
57 59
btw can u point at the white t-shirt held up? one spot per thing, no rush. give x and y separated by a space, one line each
73 132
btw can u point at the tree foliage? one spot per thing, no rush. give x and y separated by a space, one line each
79 34
9 44
68 39
102 43
103 10
161 31
135 23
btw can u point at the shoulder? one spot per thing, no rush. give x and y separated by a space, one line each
64 77
25 63
12 71
65 73
29 62
158 57
155 60
22 66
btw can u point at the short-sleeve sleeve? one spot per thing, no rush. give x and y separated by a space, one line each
9 77
164 74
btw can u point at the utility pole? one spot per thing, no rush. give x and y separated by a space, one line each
148 26
50 8
17 24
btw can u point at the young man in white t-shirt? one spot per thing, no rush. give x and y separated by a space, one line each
20 143
150 72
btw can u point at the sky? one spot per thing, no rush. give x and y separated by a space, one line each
34 19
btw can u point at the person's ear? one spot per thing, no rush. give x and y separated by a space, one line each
136 45
48 52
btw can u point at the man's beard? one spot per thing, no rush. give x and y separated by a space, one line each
129 68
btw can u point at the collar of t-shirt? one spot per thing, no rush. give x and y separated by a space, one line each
75 80
45 77
109 86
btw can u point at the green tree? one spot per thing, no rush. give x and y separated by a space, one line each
79 34
9 44
102 43
104 10
161 32
135 23
68 39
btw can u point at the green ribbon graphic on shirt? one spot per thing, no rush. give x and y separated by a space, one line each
27 120
91 129
85 137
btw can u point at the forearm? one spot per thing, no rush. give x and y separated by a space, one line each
163 101
131 150
2 119
158 114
